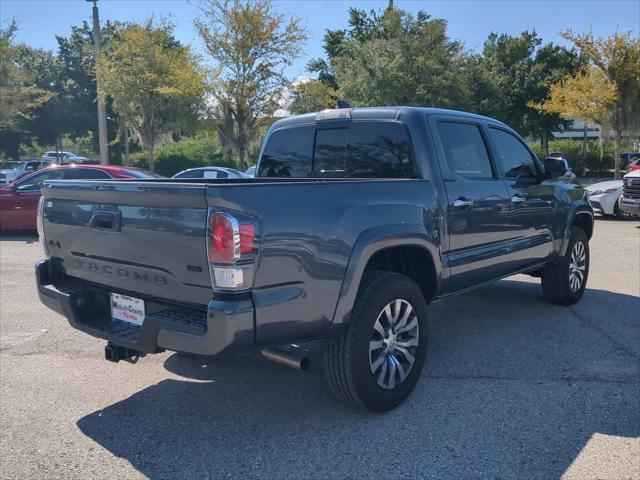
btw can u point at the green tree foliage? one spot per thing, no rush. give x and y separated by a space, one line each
155 83
393 58
20 97
312 96
76 112
511 72
250 45
617 57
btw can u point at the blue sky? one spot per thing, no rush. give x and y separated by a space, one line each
469 20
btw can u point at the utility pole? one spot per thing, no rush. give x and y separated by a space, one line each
102 114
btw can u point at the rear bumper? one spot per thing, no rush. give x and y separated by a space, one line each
220 327
630 205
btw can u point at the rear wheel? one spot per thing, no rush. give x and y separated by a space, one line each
377 363
565 280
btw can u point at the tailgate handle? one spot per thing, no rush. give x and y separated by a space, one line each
106 221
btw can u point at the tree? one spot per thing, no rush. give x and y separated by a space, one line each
587 95
513 71
76 89
154 82
394 58
19 96
312 96
618 58
250 45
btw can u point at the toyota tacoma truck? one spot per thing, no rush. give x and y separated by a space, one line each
357 219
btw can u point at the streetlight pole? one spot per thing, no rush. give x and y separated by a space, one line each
102 114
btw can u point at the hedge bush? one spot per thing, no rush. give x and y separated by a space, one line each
573 151
201 150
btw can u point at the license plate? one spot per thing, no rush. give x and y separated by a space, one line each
127 309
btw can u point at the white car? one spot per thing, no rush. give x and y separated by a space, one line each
210 172
251 171
63 157
605 198
13 170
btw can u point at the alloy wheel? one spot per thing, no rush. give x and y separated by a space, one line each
577 266
394 343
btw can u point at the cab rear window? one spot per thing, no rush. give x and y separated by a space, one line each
361 150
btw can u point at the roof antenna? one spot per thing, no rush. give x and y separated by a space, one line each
343 104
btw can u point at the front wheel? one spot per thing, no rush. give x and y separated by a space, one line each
377 363
565 280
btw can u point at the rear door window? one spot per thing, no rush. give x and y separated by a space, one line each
380 150
464 150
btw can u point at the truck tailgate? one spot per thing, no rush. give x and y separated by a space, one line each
140 237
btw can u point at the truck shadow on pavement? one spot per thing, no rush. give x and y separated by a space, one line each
513 388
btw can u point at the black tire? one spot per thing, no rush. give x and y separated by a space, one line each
347 363
556 277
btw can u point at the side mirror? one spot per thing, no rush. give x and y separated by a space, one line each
556 167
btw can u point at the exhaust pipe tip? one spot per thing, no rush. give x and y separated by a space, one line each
291 360
305 363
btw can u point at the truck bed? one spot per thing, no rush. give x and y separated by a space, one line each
151 238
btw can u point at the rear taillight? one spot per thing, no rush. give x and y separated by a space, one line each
40 225
224 239
231 249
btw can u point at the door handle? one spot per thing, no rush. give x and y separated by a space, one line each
517 199
462 203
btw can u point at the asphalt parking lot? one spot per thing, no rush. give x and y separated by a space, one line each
513 388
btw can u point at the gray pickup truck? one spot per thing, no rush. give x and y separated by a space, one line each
356 221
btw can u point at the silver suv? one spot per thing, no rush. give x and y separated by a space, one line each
13 170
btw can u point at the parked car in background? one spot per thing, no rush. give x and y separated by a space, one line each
630 201
251 171
63 157
635 165
627 159
210 172
605 198
19 201
13 170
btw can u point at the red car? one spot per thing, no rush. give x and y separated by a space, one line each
635 165
19 200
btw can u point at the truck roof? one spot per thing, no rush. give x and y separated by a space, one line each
378 113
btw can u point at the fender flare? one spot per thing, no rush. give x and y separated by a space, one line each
369 243
576 209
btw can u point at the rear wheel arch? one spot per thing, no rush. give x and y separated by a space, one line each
412 261
380 249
